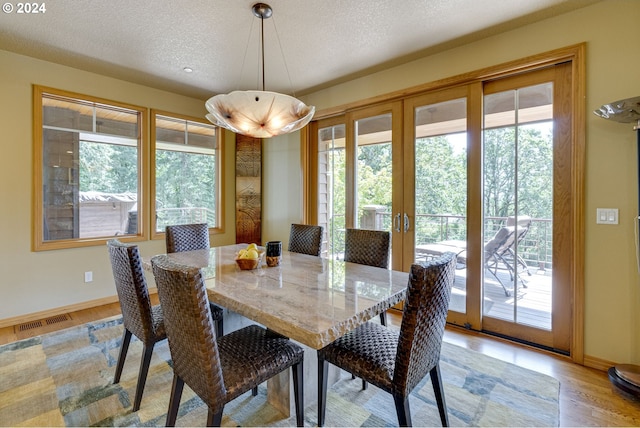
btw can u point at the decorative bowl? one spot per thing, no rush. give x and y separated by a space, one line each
249 264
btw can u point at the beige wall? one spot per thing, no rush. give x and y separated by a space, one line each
610 29
32 282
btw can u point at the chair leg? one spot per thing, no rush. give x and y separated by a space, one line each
174 400
124 347
365 385
142 375
383 318
214 419
402 410
438 390
298 391
323 368
219 328
495 275
217 319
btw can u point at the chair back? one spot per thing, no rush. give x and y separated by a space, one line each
131 286
187 237
306 239
501 241
508 236
522 226
190 329
423 320
367 247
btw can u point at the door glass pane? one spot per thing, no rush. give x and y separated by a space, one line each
373 172
441 187
518 200
331 188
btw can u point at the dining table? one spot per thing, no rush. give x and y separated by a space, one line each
311 300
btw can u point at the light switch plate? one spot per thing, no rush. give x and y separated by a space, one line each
606 215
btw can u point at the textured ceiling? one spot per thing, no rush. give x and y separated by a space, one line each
309 44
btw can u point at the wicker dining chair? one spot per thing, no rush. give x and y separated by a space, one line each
217 370
394 362
306 239
191 237
368 247
139 317
187 237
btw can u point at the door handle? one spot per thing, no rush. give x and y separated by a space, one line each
396 222
406 222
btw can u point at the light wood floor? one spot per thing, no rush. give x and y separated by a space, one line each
587 398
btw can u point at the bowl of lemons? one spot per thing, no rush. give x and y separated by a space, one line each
249 258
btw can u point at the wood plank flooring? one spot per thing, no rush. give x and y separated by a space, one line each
587 398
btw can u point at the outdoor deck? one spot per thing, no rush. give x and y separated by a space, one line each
530 305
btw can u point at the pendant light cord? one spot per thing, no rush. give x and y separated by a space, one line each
262 47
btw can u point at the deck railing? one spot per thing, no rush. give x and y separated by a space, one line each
171 216
535 248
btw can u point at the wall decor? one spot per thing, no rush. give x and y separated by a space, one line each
248 189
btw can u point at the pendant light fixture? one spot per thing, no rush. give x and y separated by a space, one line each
259 114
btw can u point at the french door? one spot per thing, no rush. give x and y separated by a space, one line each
441 156
487 170
488 182
358 167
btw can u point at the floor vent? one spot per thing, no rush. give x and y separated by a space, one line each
30 325
41 323
57 319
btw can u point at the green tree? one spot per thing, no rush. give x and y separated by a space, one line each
533 151
108 168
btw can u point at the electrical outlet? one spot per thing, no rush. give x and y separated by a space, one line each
88 276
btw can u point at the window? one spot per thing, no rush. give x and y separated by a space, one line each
187 171
87 169
96 177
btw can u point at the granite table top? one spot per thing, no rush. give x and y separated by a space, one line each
309 299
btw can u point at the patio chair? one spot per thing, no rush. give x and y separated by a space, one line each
524 224
499 252
190 237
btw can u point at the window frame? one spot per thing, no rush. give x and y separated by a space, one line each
219 156
38 242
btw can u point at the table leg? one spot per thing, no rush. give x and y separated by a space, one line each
279 394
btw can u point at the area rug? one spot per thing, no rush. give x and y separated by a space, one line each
65 379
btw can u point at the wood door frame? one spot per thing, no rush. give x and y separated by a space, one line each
559 337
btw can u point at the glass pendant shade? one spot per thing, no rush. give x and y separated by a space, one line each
259 114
